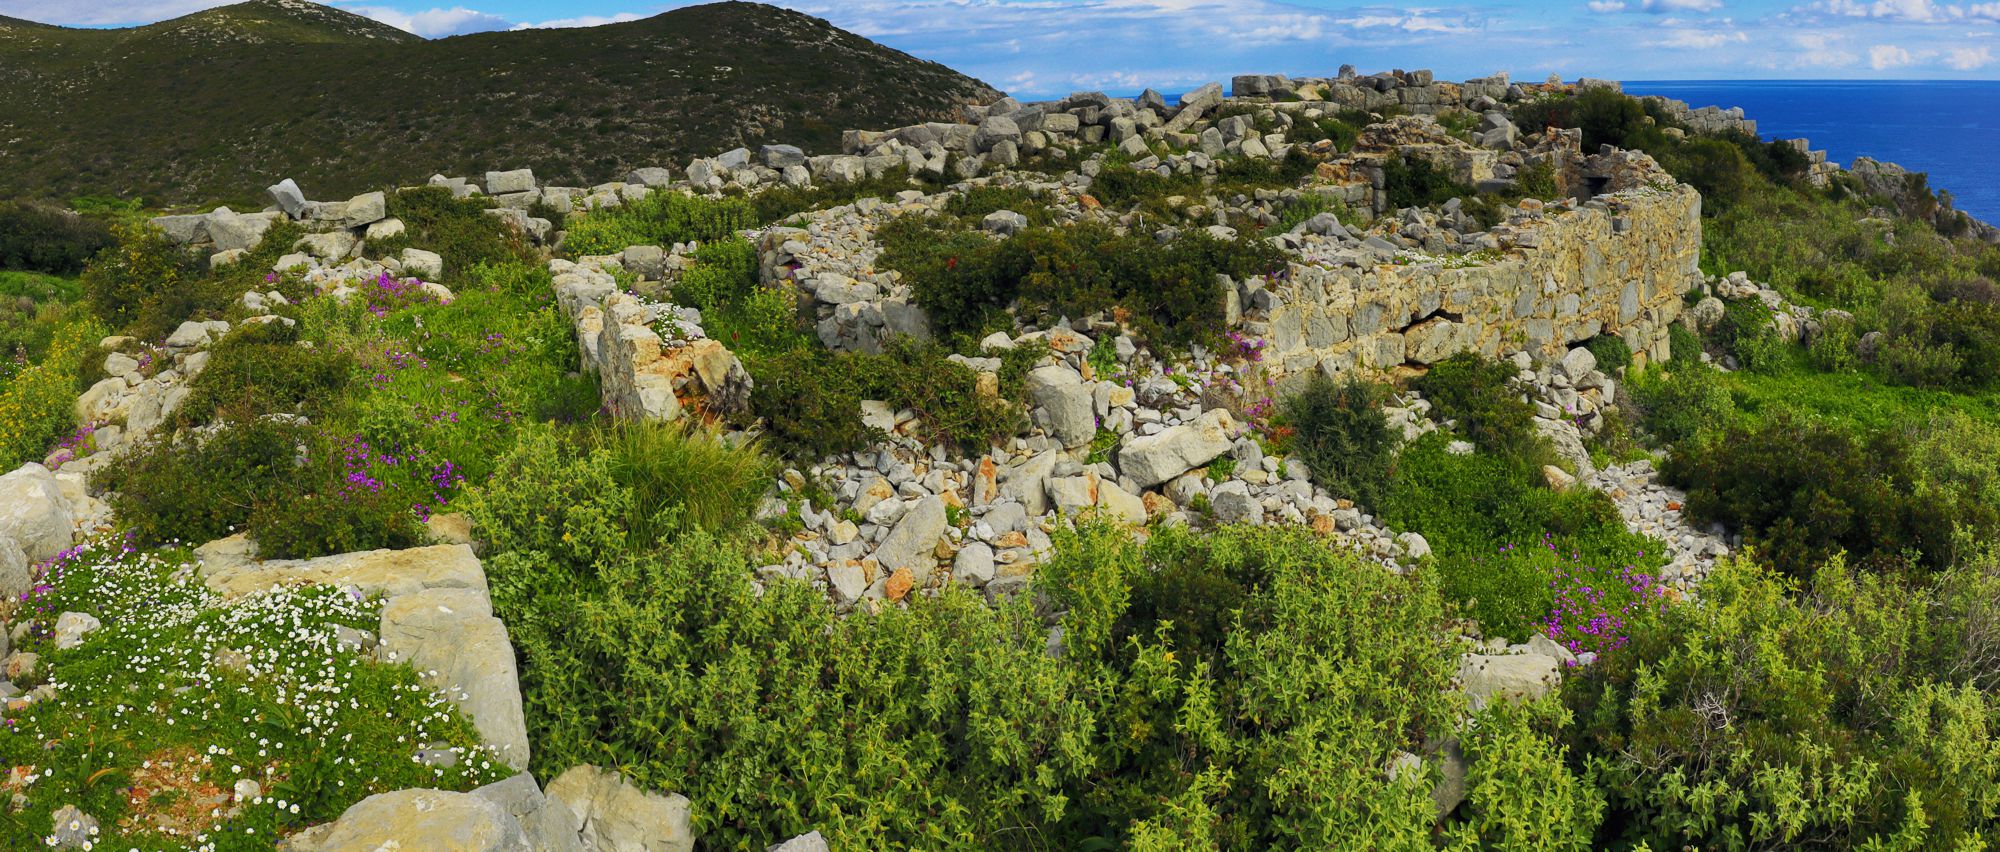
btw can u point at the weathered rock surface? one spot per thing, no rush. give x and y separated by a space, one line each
618 817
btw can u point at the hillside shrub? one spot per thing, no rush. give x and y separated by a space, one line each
1804 491
37 402
1611 353
261 369
736 309
680 475
809 399
662 218
775 204
1848 710
42 238
1680 400
1478 393
141 282
1343 438
203 488
1497 532
459 230
1412 181
964 279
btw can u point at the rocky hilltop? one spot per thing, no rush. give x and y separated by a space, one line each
287 86
1388 227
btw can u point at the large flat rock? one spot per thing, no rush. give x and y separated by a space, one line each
389 573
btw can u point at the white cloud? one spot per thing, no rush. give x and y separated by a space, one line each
1886 56
1968 58
1700 40
436 23
1661 7
1914 11
1606 7
583 21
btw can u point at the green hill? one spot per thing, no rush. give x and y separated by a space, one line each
211 106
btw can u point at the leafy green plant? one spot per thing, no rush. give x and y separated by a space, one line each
1341 435
1477 393
1412 181
260 369
1774 712
37 404
44 238
203 488
457 229
681 476
662 218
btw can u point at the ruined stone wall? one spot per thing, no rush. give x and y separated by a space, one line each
1617 264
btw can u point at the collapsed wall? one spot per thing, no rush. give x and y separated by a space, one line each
1618 264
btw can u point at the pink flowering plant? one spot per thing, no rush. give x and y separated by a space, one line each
1594 605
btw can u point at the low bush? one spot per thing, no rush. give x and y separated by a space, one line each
809 399
1341 435
1611 353
1412 181
335 514
748 317
38 401
1803 491
1478 394
261 369
203 488
41 238
1497 533
1168 292
459 230
1680 400
775 204
662 218
976 202
1849 711
680 476
142 283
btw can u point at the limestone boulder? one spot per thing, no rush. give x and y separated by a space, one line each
389 573
33 512
912 542
432 820
1154 459
1486 677
452 639
619 817
1062 404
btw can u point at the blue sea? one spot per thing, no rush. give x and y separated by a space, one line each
1950 129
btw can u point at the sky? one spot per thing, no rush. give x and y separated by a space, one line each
1043 48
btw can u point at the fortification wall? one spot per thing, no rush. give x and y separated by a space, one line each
1617 264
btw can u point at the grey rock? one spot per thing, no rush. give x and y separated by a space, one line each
33 512
452 633
290 200
518 180
1004 222
71 627
994 130
650 176
422 264
549 827
911 542
1507 676
619 817
973 566
1062 404
1156 458
74 829
782 156
810 842
422 819
14 578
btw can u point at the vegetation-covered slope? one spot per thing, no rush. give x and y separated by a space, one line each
200 108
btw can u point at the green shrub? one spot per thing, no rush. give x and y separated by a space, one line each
331 520
662 218
777 203
1611 352
1412 181
1478 394
964 279
1497 532
203 488
1520 792
680 476
43 238
457 229
1746 330
1538 181
975 202
261 369
748 317
1307 206
1680 400
1341 435
1803 491
1854 712
140 282
810 399
37 403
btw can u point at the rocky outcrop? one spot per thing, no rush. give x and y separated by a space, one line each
652 359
